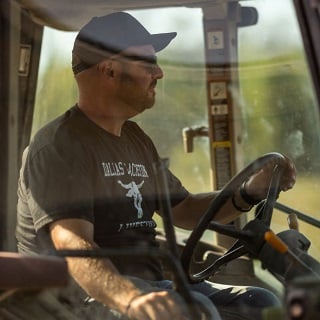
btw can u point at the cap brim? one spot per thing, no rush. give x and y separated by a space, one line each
161 40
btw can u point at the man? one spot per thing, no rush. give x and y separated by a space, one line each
87 179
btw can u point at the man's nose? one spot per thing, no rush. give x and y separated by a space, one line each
157 72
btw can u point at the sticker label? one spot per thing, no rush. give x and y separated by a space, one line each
219 109
218 90
215 40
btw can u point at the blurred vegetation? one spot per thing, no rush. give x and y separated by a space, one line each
279 110
56 93
275 97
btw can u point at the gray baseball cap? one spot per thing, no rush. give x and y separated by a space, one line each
111 34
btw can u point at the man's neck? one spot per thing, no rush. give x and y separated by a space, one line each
104 118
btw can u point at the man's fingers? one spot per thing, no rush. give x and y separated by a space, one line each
258 184
161 305
289 176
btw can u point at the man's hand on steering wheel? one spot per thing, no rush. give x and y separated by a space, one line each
257 185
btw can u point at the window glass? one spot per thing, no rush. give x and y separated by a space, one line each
181 94
278 111
278 106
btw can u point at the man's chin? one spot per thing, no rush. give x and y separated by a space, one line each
148 104
140 109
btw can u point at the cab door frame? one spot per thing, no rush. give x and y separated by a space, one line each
20 45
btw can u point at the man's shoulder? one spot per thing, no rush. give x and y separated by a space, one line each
56 131
60 122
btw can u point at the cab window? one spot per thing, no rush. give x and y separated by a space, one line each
277 110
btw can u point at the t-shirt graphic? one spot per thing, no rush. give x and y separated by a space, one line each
133 192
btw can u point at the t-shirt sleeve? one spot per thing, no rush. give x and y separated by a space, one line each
59 185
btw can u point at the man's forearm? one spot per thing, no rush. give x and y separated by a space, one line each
188 213
101 280
97 276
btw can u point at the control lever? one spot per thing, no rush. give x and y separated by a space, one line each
188 135
293 221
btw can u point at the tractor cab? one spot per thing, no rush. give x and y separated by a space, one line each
241 87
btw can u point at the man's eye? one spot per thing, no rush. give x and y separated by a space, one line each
146 59
150 63
152 60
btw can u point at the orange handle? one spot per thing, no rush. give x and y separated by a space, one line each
275 242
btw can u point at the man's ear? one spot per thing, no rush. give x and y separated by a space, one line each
107 68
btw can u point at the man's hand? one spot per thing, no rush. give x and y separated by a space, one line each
258 184
160 305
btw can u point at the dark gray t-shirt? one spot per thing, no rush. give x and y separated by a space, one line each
75 169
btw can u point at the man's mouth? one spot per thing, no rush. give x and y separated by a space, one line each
153 84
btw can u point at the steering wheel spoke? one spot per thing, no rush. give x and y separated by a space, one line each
236 251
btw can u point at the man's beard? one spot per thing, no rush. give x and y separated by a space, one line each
137 97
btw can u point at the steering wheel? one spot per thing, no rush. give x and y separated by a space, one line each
264 214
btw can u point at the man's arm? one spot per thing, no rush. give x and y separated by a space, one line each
98 277
102 281
188 212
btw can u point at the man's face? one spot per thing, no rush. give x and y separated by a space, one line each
139 75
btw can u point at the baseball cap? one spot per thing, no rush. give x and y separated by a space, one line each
110 34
